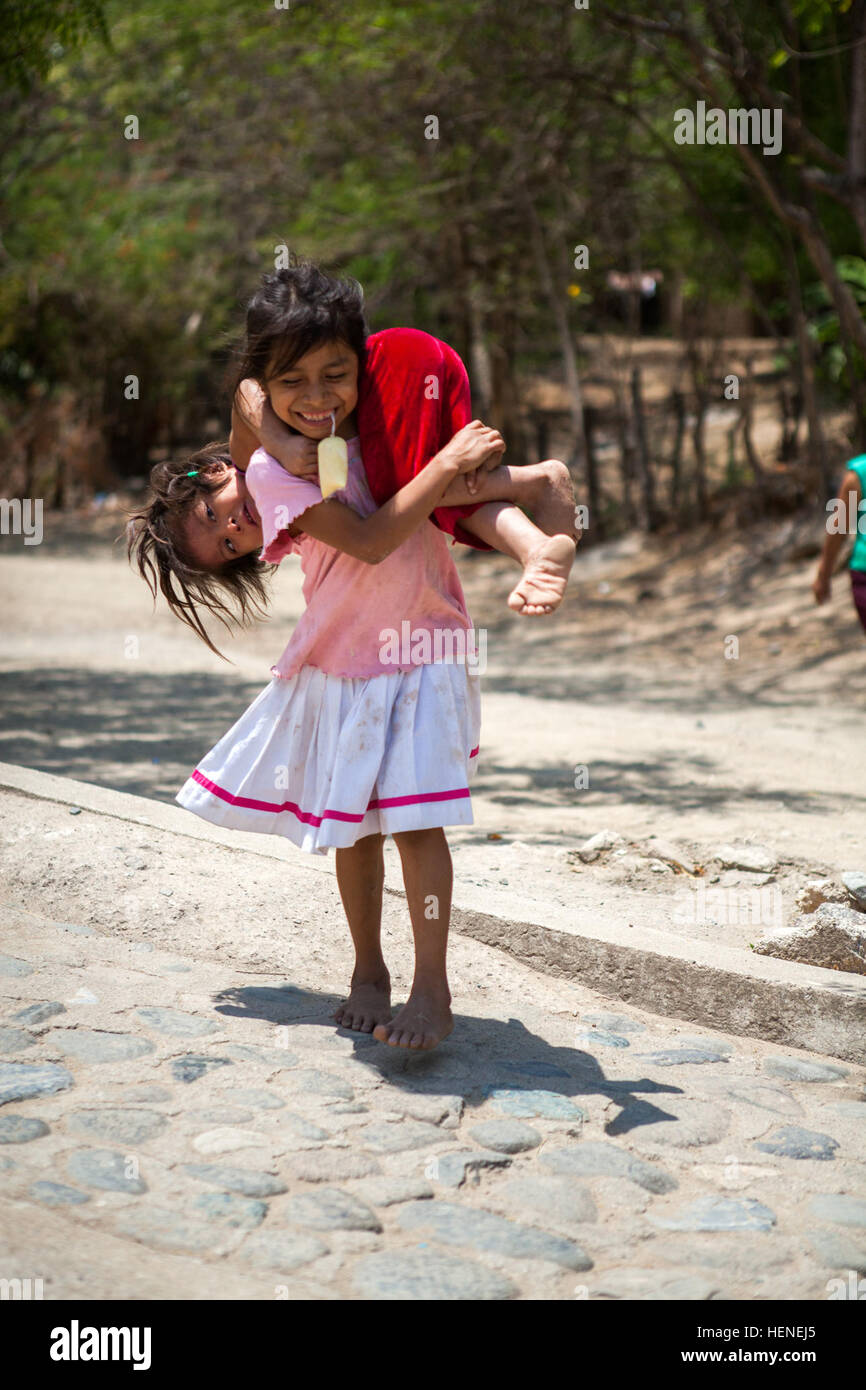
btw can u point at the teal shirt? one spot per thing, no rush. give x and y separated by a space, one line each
858 555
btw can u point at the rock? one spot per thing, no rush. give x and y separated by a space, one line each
173 1231
387 1192
331 1209
597 1037
231 1210
394 1138
76 928
718 1214
818 891
15 1039
614 1023
756 858
281 1250
421 1276
669 1285
657 866
793 1142
90 1046
855 883
258 1099
553 1198
223 1141
682 1056
335 1165
21 1080
604 839
670 854
763 1095
454 1168
120 1125
680 1122
742 878
271 1056
526 1104
844 1210
245 1181
38 1013
506 1136
12 967
191 1067
597 1159
320 1083
793 1069
146 1095
57 1194
21 1129
177 1024
833 936
223 1115
434 1109
837 1252
105 1169
482 1230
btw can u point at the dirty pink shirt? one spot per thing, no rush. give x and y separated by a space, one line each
352 606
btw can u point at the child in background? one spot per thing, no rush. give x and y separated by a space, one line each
851 492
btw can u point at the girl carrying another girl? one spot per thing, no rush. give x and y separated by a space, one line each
347 743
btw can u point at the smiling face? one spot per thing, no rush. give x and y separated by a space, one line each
223 525
324 380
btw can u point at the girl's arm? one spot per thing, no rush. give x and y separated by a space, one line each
254 424
834 540
373 538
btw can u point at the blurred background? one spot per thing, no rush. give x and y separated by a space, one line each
502 174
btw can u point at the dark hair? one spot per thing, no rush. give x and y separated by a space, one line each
155 541
296 310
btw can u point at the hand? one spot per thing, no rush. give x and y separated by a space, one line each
473 446
492 462
821 587
299 456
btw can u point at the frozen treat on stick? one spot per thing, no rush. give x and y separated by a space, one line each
333 461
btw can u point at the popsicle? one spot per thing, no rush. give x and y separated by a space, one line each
333 461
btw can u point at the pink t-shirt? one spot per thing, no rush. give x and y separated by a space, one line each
360 619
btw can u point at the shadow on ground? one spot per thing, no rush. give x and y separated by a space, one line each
482 1055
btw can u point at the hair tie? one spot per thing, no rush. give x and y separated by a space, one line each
193 472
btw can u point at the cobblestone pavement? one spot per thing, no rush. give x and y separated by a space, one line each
175 1124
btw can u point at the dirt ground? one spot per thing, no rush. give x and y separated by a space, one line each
620 712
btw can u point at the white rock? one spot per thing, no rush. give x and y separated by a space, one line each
658 867
756 858
223 1141
834 936
663 849
818 891
604 839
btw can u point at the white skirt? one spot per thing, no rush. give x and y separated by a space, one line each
325 760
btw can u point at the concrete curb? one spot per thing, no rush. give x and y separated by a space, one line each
721 987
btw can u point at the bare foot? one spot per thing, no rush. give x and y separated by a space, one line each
542 585
368 1004
424 1020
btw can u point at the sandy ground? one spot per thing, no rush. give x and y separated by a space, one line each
629 683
